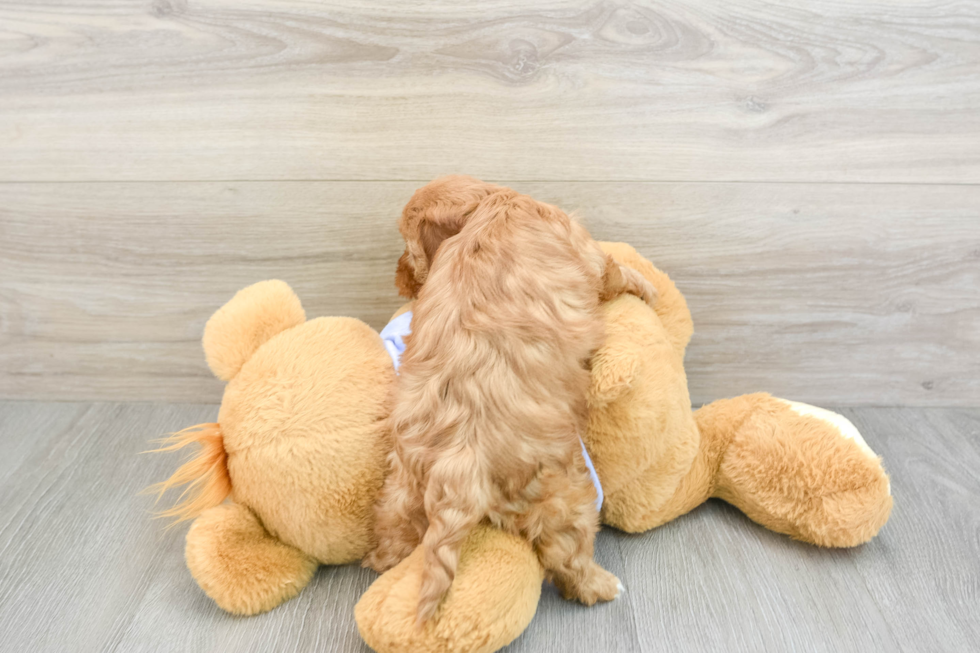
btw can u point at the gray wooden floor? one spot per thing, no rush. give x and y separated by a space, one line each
83 568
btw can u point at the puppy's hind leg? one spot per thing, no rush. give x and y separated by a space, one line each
566 523
455 502
399 519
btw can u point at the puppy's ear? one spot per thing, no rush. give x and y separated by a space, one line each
436 212
405 281
424 230
413 266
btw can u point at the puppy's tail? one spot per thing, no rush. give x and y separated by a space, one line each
455 502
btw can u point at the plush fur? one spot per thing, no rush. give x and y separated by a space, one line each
241 326
300 423
500 569
236 561
490 403
308 484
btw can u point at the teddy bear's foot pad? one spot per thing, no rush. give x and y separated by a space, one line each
803 471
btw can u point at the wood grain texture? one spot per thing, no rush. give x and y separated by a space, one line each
832 293
566 90
933 457
83 568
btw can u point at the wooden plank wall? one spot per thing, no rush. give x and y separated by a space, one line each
808 172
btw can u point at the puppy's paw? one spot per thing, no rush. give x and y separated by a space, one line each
637 284
379 560
608 587
598 585
649 294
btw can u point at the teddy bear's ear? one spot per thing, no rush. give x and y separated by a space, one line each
614 367
253 316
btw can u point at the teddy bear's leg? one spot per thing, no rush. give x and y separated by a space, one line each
796 469
493 598
239 565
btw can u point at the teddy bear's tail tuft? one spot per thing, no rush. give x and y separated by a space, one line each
206 474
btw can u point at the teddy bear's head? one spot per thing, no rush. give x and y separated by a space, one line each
301 418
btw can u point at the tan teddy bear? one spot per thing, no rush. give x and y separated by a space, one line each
299 448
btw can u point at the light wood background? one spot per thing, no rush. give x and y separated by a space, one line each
808 173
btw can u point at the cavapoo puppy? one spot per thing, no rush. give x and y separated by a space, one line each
490 402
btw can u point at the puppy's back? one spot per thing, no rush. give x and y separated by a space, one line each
493 382
501 335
